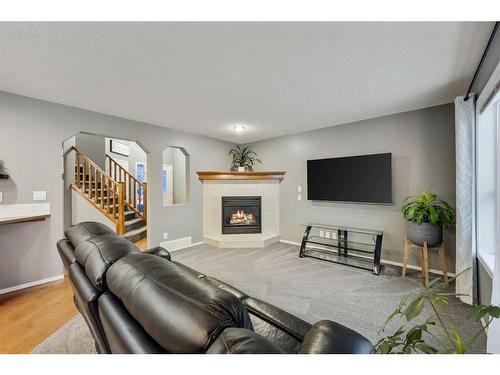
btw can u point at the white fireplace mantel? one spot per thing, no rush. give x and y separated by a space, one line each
220 184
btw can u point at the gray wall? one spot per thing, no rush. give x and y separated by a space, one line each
93 147
31 136
423 149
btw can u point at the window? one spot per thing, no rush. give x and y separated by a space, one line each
487 163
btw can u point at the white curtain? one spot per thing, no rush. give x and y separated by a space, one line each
493 344
464 153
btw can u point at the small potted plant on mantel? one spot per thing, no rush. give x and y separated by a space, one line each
426 216
243 158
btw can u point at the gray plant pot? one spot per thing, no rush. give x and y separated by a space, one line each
425 232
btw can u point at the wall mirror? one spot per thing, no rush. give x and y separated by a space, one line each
175 176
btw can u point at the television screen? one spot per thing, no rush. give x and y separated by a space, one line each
364 179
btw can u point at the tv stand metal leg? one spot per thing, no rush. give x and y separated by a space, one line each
377 267
304 241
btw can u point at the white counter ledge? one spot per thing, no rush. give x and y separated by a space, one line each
20 213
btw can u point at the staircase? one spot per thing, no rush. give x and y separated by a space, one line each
117 194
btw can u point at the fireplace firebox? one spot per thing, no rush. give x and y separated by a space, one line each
241 215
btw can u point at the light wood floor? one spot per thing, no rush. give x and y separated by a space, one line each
29 316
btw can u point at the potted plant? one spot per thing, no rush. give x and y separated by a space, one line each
438 333
243 157
426 216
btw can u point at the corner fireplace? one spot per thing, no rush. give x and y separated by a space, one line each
241 215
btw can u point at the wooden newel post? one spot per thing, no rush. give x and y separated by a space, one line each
120 225
145 200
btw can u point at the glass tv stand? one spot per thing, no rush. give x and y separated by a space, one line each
354 247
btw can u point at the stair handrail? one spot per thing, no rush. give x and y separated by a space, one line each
93 164
131 200
127 173
114 212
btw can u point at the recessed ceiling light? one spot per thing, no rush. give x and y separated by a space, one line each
239 128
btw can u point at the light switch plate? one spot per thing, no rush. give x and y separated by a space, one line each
299 189
1 196
165 236
299 197
39 195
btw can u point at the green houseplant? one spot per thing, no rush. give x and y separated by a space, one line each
427 215
413 336
243 157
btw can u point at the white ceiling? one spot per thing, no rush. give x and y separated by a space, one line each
276 78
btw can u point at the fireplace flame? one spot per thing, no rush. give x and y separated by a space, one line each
242 217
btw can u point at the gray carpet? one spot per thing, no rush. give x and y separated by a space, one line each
308 288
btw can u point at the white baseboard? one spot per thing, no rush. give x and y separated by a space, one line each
179 243
384 261
31 284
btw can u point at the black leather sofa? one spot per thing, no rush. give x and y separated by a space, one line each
145 302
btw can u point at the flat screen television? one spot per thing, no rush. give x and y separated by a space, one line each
361 179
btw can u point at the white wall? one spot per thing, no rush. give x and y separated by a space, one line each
81 210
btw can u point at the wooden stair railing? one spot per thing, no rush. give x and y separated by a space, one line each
135 191
107 195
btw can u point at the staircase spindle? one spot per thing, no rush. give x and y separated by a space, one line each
84 176
96 192
130 191
102 189
90 181
145 201
135 196
108 208
120 225
77 169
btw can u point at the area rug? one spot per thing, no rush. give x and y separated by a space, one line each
309 288
72 338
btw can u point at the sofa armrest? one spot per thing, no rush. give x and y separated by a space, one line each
242 341
277 317
159 251
327 337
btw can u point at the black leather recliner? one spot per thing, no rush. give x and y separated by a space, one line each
144 302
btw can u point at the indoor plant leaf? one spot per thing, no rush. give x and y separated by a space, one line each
414 308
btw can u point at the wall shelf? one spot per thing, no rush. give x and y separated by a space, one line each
22 213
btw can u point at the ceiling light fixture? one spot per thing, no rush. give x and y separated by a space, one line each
239 128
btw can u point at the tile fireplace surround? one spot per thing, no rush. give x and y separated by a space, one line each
240 184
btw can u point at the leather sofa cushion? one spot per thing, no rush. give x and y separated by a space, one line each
159 251
222 285
125 335
327 337
85 230
85 297
242 341
199 275
66 252
97 254
183 313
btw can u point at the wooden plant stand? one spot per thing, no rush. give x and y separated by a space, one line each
425 259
